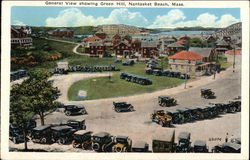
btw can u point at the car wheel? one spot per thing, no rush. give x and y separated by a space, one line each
43 140
118 149
104 148
95 147
233 109
67 113
161 123
62 141
15 140
84 112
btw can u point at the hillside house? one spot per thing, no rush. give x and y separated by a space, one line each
61 32
149 50
19 37
190 63
174 48
207 53
123 49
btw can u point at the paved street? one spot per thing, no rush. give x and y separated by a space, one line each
138 125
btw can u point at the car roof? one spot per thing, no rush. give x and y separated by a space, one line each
82 132
167 136
182 109
199 143
173 111
205 88
58 128
122 137
232 145
101 134
139 144
164 96
42 127
184 135
73 120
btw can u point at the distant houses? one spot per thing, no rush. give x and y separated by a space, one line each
21 36
61 32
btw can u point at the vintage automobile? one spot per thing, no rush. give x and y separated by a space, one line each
166 101
135 78
62 134
117 61
102 142
195 113
164 142
227 147
42 134
128 63
82 139
185 115
184 76
207 93
122 144
73 109
236 140
160 117
76 124
15 134
139 146
184 144
221 107
200 147
122 106
60 71
15 75
234 106
176 117
207 112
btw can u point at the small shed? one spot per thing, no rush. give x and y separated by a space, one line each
63 65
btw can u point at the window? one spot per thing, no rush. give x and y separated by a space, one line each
182 67
189 61
173 60
176 66
190 69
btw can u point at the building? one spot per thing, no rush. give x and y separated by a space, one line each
61 32
119 29
149 50
95 49
207 53
189 62
174 48
221 46
20 37
123 49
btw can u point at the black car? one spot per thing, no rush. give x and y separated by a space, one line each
77 124
185 115
102 142
227 147
128 63
42 134
200 147
15 134
139 146
207 93
73 109
82 139
184 144
62 134
122 106
176 118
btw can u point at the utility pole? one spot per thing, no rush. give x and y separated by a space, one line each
186 78
234 61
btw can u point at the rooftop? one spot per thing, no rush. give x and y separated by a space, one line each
186 55
205 52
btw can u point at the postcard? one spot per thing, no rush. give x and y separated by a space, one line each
125 80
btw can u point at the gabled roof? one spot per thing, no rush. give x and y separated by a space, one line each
181 41
91 39
177 45
222 43
186 55
149 44
205 52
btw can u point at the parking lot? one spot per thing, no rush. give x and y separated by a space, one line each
137 124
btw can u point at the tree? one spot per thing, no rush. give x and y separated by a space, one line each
20 109
41 93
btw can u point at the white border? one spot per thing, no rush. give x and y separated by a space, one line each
5 91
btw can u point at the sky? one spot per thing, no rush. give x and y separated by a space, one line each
141 17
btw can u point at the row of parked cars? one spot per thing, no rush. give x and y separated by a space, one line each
18 74
135 78
167 73
85 68
105 142
190 114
